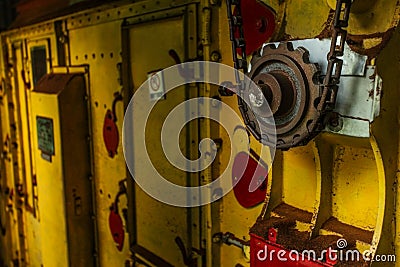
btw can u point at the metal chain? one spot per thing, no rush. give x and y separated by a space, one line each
334 69
332 78
238 46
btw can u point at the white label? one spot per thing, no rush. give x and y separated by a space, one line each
156 86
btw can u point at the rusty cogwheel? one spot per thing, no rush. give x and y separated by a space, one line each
290 85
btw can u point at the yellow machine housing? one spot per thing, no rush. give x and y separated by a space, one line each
59 76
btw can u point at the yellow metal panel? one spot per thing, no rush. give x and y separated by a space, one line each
386 131
18 124
233 217
359 184
167 222
69 91
50 186
306 19
300 181
32 225
371 17
91 45
14 149
9 219
355 187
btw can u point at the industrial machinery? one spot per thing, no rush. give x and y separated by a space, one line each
326 74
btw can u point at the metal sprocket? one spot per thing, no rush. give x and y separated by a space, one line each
290 84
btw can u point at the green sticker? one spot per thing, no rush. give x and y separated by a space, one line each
45 135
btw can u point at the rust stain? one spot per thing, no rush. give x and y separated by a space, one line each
356 42
371 93
327 31
293 239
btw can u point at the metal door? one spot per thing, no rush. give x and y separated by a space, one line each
161 234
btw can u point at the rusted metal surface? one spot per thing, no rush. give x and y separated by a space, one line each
356 42
279 233
334 69
290 84
288 81
367 40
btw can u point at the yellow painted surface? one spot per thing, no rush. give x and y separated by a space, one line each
17 172
300 180
377 17
8 215
233 217
306 19
102 56
32 224
158 224
385 130
355 180
356 184
50 186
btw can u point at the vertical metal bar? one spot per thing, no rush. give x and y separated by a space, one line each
60 40
92 169
128 93
192 179
205 129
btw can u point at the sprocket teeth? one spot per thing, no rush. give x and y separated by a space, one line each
269 48
317 73
286 46
315 66
304 54
254 59
303 131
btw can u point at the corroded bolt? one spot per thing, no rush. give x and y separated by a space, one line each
215 56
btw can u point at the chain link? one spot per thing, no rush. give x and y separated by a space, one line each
238 43
332 78
334 69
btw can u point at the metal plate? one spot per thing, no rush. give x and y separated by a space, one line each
353 63
358 104
45 135
359 94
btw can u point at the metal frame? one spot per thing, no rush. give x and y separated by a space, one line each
40 42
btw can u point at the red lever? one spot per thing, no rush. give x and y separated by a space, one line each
244 169
110 134
116 228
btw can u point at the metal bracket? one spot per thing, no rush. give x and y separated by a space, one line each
360 89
